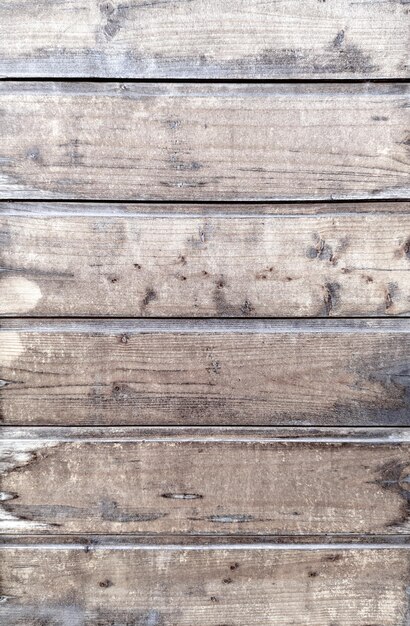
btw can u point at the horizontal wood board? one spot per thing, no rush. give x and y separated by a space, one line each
234 482
96 372
213 261
205 39
140 483
123 141
164 586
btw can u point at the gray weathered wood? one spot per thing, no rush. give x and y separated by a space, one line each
211 372
205 586
229 523
204 142
205 39
258 483
218 261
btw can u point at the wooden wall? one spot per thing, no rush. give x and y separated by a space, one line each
204 301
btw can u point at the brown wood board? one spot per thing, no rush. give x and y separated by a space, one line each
154 141
205 261
214 372
164 586
205 39
205 481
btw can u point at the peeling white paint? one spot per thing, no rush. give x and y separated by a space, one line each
12 455
19 453
11 523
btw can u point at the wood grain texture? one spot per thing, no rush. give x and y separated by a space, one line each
174 261
207 483
245 586
90 541
205 39
205 372
204 142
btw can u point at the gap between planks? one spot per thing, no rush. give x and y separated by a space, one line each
100 325
214 434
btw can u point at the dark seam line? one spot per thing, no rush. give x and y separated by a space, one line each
164 320
203 202
217 81
272 427
201 534
141 535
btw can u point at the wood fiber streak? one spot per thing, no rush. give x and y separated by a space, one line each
204 587
65 262
204 485
136 540
204 142
205 39
211 372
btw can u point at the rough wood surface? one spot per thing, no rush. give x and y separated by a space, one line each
204 586
205 39
204 472
178 261
205 372
90 541
204 142
204 483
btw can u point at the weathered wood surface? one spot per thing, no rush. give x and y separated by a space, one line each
205 586
90 541
205 39
205 372
244 482
204 142
218 261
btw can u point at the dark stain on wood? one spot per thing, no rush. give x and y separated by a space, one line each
127 39
111 512
395 476
331 298
114 16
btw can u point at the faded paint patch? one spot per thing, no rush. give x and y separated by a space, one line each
67 615
10 523
14 455
11 347
18 295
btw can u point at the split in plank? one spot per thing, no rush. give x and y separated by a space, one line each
204 142
215 372
212 482
205 585
226 261
205 39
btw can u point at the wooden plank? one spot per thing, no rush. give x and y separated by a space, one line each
204 483
94 372
204 142
205 39
174 261
205 586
